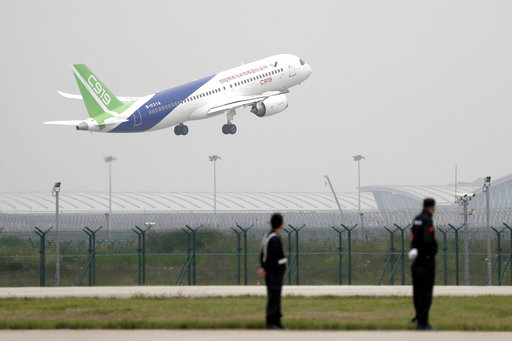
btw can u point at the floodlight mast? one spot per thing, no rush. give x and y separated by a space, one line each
55 193
463 200
486 189
358 159
214 159
109 159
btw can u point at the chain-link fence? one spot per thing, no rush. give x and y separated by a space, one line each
229 255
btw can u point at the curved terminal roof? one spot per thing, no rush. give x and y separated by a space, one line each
71 202
372 198
444 195
399 197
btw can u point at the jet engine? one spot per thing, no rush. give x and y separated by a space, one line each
270 106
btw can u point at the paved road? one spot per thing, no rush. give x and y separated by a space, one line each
204 291
246 335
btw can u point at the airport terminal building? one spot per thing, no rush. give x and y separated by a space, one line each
379 205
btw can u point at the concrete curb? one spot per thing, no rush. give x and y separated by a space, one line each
225 291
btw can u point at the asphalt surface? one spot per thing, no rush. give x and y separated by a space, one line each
245 335
223 291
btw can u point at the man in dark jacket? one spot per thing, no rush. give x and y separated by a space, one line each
423 252
273 260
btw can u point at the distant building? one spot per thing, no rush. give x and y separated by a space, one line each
380 205
408 197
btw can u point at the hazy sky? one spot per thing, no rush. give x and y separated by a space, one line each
416 87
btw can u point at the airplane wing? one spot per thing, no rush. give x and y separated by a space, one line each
73 96
64 123
242 101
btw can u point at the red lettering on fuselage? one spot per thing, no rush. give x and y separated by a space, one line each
266 80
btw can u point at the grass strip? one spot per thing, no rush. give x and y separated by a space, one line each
489 313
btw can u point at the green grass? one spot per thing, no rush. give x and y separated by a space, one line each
332 313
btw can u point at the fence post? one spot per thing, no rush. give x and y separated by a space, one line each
391 258
141 250
509 260
244 231
92 253
445 249
42 254
238 254
340 256
185 268
349 237
402 254
189 256
94 256
91 257
289 271
498 249
456 252
91 261
297 276
193 252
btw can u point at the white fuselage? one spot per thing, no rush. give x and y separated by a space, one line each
222 93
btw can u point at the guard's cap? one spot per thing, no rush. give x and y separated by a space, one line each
429 202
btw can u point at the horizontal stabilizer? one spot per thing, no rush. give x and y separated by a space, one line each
64 123
114 120
75 96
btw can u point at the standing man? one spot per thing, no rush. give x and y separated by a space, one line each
423 252
273 260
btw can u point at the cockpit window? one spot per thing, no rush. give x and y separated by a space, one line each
302 62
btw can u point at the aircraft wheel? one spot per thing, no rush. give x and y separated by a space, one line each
225 129
232 128
184 130
178 130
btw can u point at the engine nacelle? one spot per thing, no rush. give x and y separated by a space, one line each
271 106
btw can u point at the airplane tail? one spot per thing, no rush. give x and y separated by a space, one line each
97 97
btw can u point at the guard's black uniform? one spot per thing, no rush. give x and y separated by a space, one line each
273 261
424 266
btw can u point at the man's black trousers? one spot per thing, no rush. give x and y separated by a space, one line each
274 283
423 276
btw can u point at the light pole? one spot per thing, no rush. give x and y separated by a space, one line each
214 158
485 189
109 159
358 159
464 200
55 193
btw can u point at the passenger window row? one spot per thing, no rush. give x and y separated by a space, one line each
211 92
252 79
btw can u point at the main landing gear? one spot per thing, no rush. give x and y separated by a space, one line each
181 129
229 128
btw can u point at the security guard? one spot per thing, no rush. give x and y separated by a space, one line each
423 252
273 260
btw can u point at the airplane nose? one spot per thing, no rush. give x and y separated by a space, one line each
308 70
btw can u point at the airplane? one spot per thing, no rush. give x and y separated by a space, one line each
261 85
